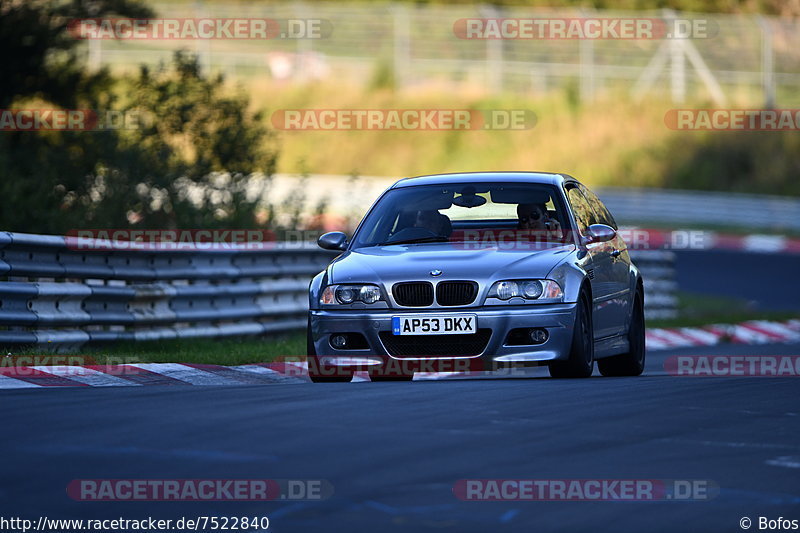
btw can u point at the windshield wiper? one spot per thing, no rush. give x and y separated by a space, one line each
414 241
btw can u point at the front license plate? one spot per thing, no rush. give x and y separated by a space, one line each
434 324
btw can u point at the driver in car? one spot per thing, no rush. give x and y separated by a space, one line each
535 217
432 221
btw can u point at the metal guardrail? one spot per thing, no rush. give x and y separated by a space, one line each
60 296
52 294
753 211
678 207
658 271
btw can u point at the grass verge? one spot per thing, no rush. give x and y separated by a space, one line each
695 310
206 351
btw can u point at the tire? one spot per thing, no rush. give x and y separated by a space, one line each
632 362
317 374
580 363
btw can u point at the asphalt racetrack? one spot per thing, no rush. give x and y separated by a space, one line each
762 279
393 451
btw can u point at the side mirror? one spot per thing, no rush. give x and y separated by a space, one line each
599 233
334 240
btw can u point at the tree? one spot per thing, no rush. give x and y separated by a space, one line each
186 164
42 60
189 161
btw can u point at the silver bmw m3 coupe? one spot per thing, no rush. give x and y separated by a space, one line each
477 271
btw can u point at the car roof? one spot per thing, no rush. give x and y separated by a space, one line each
549 178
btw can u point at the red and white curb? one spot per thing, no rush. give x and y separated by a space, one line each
142 374
752 332
652 239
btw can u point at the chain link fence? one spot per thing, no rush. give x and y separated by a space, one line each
750 58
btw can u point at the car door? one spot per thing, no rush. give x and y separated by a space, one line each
599 267
619 268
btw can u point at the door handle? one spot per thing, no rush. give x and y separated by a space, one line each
616 253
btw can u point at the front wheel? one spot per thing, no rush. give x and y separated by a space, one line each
632 362
581 355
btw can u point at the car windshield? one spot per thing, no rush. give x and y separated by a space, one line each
464 212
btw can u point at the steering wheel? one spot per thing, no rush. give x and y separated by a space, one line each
412 233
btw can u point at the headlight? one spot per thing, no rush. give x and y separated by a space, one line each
347 294
529 289
369 294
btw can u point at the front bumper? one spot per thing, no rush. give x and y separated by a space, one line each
558 319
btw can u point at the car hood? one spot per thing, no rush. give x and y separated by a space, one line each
390 264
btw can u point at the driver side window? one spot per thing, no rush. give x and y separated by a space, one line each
580 207
604 216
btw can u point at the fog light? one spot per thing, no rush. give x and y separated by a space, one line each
339 341
538 335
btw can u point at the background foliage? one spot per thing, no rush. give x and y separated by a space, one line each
187 163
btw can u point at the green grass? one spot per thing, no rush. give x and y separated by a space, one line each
611 142
209 351
701 310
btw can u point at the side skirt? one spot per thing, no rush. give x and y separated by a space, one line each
611 346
